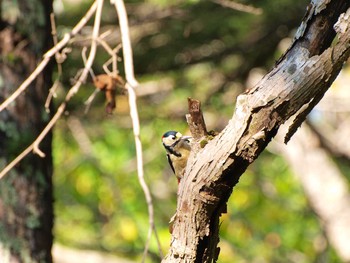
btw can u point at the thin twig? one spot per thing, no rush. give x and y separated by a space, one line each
47 56
89 101
131 85
239 7
52 94
52 91
35 145
83 55
113 59
55 41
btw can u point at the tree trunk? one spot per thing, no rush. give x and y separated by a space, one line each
326 188
293 87
26 209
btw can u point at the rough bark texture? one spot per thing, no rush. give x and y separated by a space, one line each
26 210
298 81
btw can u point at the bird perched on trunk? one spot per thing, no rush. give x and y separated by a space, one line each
178 148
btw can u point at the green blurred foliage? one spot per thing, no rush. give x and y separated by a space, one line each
208 52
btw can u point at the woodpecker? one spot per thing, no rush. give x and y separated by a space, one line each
178 148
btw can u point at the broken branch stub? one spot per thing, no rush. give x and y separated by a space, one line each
195 119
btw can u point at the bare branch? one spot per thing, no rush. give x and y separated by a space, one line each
35 145
89 101
52 94
239 7
47 56
131 85
113 59
112 75
83 55
52 91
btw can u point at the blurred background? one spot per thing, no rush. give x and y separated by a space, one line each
211 51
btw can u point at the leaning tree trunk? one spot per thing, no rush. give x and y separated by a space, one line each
293 87
26 211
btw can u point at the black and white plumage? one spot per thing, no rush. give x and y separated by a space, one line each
178 148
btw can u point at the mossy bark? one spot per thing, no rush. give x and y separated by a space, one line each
26 209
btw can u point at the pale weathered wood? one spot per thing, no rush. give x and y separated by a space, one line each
299 79
326 188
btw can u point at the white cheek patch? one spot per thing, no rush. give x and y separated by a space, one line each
167 141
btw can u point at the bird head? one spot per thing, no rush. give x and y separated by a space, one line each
171 138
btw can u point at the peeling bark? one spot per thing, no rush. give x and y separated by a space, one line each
293 87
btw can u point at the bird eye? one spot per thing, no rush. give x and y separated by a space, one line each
173 137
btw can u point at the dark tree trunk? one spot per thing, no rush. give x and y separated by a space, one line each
26 209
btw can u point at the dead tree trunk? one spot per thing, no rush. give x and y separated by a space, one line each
26 210
292 88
